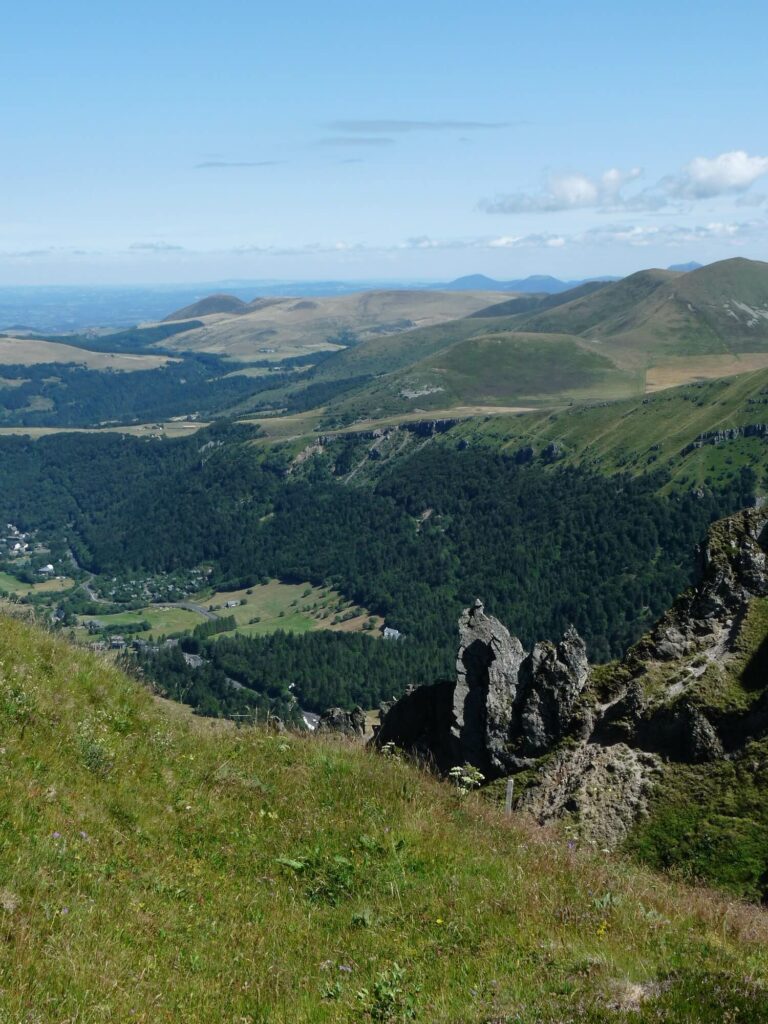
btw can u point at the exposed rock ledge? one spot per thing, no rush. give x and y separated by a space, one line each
594 758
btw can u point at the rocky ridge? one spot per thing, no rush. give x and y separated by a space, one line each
592 744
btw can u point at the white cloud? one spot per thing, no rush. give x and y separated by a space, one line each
573 191
729 174
726 174
522 241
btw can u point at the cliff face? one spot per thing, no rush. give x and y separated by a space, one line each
596 745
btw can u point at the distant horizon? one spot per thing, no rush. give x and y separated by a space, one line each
345 281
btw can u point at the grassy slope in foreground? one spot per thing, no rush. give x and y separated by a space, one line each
161 868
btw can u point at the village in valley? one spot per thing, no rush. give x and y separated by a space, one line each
143 613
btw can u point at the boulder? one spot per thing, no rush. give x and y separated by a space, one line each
602 790
345 723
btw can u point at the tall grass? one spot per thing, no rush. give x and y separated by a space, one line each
157 867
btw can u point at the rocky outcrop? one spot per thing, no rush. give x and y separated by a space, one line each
553 678
504 707
733 571
593 751
487 671
725 434
420 722
605 789
341 722
428 428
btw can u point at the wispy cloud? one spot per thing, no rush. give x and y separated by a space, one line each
642 235
628 234
752 199
206 164
26 254
729 174
635 235
400 127
155 247
661 235
356 140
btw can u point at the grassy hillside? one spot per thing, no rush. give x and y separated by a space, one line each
540 303
656 313
35 352
505 369
160 868
644 434
650 331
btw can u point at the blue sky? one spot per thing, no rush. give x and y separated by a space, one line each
170 142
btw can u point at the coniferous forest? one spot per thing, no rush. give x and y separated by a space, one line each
544 546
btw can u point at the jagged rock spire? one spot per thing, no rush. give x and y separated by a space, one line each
504 706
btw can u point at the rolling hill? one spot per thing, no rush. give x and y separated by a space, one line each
650 331
718 309
219 303
280 328
533 284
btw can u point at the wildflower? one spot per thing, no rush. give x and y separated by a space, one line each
56 835
83 835
439 920
345 968
65 910
466 778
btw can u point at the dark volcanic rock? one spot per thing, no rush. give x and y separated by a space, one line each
420 722
504 706
428 428
346 723
600 745
487 670
552 680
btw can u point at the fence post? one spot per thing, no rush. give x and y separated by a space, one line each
508 797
